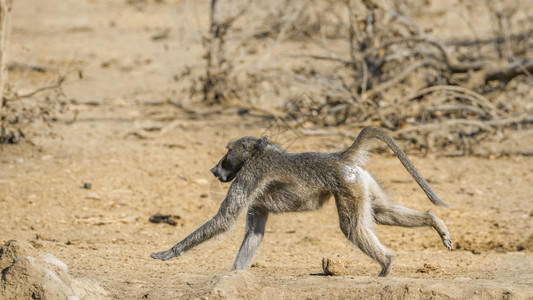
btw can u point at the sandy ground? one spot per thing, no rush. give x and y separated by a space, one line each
104 234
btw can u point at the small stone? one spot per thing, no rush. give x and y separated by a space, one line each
169 219
201 181
333 267
45 237
92 195
131 219
258 265
430 268
87 185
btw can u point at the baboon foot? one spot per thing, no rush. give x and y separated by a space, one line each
441 228
385 270
447 241
164 255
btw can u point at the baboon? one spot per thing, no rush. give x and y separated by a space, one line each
269 179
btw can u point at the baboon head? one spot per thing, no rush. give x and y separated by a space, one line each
238 153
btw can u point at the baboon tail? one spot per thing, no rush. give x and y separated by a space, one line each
358 147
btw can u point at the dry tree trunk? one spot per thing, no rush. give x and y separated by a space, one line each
5 26
216 88
210 93
215 74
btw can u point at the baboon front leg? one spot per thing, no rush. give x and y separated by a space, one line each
214 226
354 224
255 230
228 212
397 215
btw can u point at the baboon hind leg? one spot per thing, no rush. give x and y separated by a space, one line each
354 224
397 215
255 230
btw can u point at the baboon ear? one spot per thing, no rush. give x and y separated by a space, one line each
249 144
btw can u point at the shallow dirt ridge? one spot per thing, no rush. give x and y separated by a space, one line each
79 199
28 273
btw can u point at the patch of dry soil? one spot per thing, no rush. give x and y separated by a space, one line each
103 233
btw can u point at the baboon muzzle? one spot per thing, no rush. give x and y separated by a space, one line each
220 175
214 171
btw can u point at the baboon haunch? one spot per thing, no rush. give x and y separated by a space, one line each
269 179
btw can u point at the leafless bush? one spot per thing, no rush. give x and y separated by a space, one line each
398 77
21 114
18 111
435 95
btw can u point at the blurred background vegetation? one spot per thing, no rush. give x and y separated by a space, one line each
453 78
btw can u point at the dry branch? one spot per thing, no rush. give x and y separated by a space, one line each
5 29
447 58
485 125
471 95
399 77
460 108
41 89
322 57
508 72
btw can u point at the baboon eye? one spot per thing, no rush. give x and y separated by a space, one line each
225 163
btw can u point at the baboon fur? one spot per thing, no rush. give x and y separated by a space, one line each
268 179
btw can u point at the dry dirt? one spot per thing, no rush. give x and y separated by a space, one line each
143 156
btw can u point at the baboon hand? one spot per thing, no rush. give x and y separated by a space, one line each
164 255
447 241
